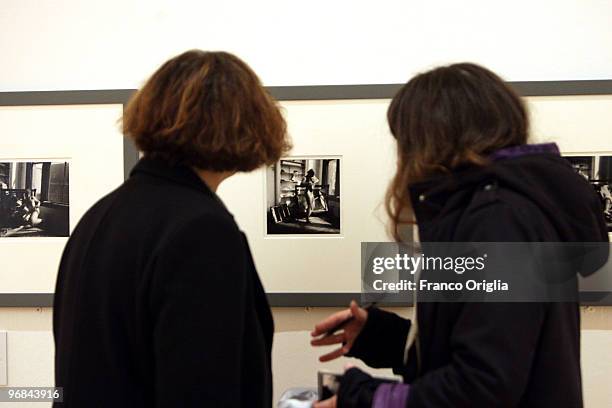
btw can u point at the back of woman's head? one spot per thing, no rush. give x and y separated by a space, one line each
207 110
445 119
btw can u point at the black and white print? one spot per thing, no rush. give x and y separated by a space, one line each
303 196
597 169
34 199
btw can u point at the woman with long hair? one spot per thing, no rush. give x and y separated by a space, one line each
158 302
466 173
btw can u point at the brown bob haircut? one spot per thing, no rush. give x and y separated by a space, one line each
207 110
445 119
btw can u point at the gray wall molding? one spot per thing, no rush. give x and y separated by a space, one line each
301 93
288 93
93 97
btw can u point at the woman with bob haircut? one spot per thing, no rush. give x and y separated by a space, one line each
466 173
158 302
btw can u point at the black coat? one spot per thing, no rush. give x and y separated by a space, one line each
489 354
158 302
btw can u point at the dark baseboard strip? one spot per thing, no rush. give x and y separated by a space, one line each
596 298
312 299
282 299
26 299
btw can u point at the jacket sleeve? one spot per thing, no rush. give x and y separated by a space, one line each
197 312
382 340
357 389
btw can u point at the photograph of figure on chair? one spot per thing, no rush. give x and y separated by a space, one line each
597 170
303 196
34 200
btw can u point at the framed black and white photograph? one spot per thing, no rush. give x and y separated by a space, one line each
597 170
61 152
34 199
303 196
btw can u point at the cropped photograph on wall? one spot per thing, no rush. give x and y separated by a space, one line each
597 170
303 196
34 199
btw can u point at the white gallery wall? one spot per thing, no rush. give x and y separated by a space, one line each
87 44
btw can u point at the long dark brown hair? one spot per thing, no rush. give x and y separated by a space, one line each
448 118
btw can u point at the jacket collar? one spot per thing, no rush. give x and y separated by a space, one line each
523 150
176 173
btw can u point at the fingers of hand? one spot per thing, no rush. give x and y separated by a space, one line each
339 352
328 403
328 340
331 322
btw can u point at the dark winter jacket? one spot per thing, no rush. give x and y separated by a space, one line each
489 354
158 303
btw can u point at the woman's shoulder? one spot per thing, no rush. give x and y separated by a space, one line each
210 229
206 215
